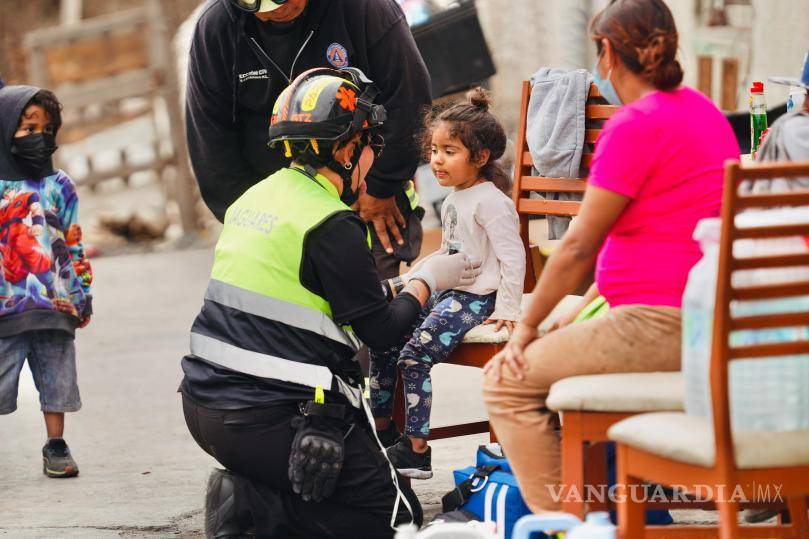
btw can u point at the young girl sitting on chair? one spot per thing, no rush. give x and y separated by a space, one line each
478 218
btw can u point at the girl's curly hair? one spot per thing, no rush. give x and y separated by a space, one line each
471 122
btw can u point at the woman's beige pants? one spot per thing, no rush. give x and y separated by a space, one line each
629 338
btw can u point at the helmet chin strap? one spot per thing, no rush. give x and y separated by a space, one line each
348 196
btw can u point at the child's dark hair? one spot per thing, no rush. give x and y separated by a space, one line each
477 129
47 100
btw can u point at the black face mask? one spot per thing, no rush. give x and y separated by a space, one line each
32 154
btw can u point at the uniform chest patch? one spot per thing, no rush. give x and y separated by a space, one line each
253 75
337 55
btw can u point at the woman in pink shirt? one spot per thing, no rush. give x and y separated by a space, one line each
657 170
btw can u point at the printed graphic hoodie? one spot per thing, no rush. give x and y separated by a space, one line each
45 278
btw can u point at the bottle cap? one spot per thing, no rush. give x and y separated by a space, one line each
757 87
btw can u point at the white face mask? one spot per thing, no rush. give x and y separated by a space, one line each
605 86
798 96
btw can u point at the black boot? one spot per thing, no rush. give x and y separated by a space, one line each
221 515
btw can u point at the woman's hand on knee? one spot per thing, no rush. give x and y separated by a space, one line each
511 356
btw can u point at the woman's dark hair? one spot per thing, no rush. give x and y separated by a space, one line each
643 34
47 100
477 129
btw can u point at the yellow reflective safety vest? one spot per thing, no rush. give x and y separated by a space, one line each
257 317
412 196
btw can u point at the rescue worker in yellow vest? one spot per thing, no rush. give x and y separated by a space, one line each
272 389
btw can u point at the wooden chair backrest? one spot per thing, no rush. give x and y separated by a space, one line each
596 113
722 353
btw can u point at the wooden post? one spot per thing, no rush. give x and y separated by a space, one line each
70 12
730 83
705 75
185 189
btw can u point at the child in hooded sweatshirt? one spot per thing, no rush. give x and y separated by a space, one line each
45 278
464 142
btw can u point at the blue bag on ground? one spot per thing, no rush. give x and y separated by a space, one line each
488 490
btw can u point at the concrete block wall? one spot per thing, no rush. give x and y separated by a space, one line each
524 35
519 34
780 39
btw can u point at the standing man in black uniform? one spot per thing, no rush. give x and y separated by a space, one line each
245 52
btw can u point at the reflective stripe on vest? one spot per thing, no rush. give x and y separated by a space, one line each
412 195
288 313
268 366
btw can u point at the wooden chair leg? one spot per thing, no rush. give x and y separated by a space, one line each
797 514
631 514
728 519
572 466
595 476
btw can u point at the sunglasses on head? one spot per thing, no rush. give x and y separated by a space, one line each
252 6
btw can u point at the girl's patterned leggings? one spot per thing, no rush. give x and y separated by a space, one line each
439 328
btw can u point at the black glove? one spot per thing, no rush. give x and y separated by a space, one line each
316 457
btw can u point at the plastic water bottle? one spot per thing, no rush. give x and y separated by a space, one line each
529 524
596 526
697 320
449 530
765 394
406 531
795 99
758 115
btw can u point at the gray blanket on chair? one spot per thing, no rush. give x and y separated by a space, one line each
555 130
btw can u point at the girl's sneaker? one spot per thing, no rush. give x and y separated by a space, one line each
56 459
409 463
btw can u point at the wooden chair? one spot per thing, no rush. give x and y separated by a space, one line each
688 451
589 406
481 343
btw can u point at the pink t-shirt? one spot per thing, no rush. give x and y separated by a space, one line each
665 152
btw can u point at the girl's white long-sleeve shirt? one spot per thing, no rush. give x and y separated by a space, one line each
483 222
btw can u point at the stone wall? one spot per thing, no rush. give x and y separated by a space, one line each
780 40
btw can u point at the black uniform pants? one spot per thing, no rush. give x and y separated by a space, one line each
255 444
